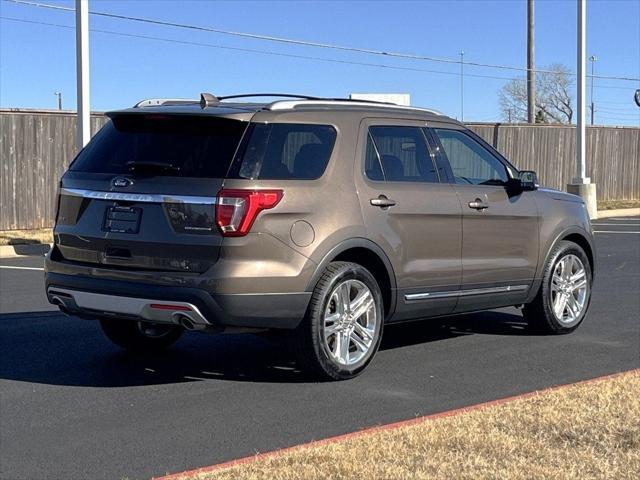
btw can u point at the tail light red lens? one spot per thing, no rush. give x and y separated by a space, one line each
236 209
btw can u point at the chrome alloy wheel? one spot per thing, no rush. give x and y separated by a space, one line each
569 289
350 321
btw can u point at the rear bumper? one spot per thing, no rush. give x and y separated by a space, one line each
102 298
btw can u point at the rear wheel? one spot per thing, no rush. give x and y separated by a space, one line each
565 293
145 337
343 326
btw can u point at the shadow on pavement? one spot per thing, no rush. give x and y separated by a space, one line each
51 348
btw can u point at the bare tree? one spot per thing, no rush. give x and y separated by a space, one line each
553 97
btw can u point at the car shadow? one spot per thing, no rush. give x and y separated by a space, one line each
50 348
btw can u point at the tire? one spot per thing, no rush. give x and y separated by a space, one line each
142 337
330 323
561 279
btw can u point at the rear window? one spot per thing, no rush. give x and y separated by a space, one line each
183 146
280 151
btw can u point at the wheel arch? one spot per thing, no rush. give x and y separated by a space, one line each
579 237
582 241
368 254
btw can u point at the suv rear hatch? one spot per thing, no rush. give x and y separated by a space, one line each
141 194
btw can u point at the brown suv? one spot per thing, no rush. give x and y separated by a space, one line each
328 218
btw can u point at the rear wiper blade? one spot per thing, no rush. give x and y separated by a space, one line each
148 165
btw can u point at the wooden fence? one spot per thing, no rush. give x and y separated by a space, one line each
35 149
37 146
613 155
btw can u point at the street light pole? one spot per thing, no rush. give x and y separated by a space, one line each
462 86
581 184
531 63
83 132
593 59
59 95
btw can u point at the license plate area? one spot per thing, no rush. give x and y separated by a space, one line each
122 219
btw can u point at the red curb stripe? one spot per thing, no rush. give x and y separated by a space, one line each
379 428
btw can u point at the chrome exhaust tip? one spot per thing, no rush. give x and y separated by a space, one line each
185 321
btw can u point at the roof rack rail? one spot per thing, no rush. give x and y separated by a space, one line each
283 95
152 102
293 104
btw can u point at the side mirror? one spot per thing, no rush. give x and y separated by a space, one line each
528 180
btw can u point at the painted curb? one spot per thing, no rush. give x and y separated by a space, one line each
379 428
620 212
29 249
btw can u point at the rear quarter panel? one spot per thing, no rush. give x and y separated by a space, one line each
313 215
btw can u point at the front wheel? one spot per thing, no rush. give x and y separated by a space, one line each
343 326
565 293
145 337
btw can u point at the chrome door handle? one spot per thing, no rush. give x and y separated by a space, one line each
478 204
382 201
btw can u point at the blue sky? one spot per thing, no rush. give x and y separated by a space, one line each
37 60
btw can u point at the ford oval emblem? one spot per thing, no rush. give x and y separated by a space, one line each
121 182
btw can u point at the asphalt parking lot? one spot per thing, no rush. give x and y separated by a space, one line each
75 407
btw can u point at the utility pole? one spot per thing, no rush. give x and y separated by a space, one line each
593 59
531 63
83 132
581 184
509 113
59 95
462 86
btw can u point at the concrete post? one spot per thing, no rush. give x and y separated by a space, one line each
581 184
83 132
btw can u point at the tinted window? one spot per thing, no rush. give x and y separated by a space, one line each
372 165
403 154
470 161
169 145
285 151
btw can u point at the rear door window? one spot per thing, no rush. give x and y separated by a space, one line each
281 151
176 145
401 154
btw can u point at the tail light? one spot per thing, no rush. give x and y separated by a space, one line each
236 210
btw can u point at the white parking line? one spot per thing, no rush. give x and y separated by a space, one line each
612 231
21 268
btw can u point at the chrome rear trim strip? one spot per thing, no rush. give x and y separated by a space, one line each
138 197
465 293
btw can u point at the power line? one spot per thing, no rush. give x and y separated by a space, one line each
251 50
610 102
624 114
630 106
607 117
266 52
300 42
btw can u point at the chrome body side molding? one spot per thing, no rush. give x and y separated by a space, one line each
465 293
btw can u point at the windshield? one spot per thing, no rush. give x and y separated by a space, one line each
178 145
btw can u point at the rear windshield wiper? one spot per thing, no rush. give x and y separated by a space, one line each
134 165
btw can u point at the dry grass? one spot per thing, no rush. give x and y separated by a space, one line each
21 237
615 204
578 432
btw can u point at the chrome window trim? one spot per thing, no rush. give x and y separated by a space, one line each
138 197
465 293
